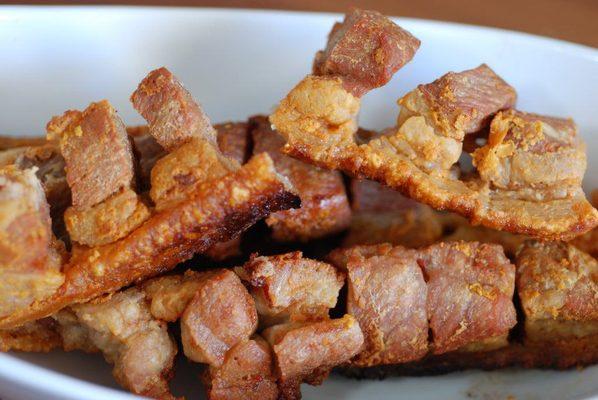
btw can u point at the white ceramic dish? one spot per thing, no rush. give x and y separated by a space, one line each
240 63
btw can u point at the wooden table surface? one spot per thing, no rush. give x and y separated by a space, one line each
572 20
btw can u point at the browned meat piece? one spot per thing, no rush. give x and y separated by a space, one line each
366 49
382 215
34 336
324 205
532 156
140 348
97 152
318 120
107 221
558 288
470 295
247 373
306 352
387 295
147 152
216 212
177 175
220 315
174 117
289 287
30 256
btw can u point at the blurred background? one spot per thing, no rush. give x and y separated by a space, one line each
572 20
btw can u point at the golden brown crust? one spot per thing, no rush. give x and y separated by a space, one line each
216 212
324 205
173 115
97 152
321 132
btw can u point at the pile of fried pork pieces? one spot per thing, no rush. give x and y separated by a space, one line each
412 264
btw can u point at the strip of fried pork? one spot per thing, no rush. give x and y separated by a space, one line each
318 120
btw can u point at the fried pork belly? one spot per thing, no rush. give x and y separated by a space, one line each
246 373
366 49
324 205
177 175
382 215
462 292
34 336
558 288
387 295
220 314
123 329
169 295
30 256
306 352
174 117
216 212
318 121
97 152
99 171
290 288
532 156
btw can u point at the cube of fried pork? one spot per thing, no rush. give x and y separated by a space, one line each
123 329
246 373
387 294
558 288
324 205
30 256
383 215
99 171
220 315
174 117
462 292
306 352
97 152
533 156
147 152
470 295
387 49
289 287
